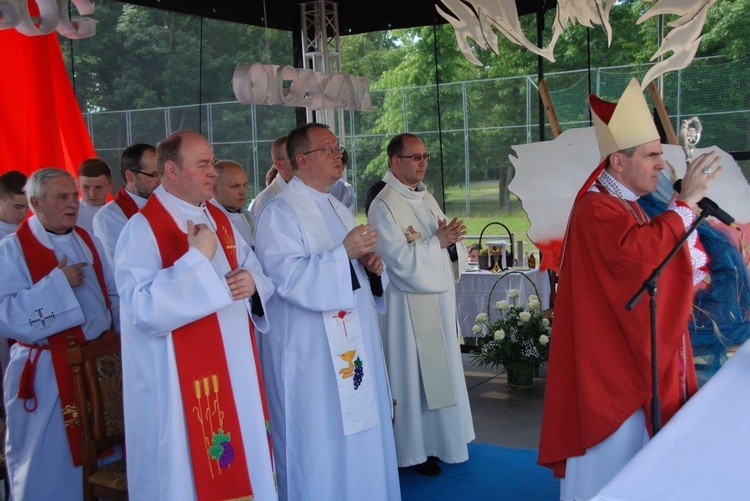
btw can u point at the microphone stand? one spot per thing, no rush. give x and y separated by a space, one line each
650 286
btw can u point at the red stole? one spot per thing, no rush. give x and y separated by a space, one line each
41 261
126 203
216 448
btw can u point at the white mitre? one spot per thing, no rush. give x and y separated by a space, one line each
625 124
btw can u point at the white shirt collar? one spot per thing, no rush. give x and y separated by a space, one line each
616 188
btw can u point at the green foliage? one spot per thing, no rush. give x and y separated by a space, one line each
726 31
369 55
145 59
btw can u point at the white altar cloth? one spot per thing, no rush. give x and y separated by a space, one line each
474 287
704 450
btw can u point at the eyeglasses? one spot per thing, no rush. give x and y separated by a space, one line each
328 150
416 157
147 174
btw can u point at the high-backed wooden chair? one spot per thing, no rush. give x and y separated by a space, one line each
97 381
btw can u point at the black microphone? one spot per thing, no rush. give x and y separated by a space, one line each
711 208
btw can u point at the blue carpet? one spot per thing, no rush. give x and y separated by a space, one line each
491 473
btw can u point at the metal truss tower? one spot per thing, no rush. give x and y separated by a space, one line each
322 53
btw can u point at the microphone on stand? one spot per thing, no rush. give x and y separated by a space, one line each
711 208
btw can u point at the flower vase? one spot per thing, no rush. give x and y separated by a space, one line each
521 378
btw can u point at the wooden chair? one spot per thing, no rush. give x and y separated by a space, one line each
97 381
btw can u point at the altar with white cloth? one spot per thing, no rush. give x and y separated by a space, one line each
703 452
472 292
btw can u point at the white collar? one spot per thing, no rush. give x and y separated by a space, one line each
616 188
8 227
417 193
46 238
139 200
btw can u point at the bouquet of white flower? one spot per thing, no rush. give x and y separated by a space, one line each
518 339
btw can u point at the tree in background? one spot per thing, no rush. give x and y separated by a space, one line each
145 58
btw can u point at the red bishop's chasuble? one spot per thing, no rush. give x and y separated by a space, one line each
126 203
216 448
41 261
599 369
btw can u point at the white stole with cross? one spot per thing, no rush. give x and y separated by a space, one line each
357 398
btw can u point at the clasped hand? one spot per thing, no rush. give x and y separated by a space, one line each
240 281
360 241
241 284
372 263
74 273
202 238
450 233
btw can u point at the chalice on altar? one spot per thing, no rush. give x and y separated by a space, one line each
496 249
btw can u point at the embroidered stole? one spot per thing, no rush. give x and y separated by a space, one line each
351 368
217 453
424 312
249 220
41 261
126 203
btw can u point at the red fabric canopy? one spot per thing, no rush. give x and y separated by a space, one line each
40 122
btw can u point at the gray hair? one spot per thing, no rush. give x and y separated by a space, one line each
35 185
626 152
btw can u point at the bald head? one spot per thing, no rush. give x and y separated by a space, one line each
230 185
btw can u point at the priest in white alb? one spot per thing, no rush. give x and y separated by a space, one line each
424 254
13 210
95 184
196 423
55 287
138 169
230 194
322 357
279 182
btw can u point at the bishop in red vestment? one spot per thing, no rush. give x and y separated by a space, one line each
599 376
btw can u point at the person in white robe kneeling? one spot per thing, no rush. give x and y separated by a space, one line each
196 423
322 357
56 287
